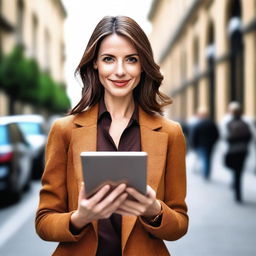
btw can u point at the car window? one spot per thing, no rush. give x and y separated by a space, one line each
4 136
30 128
16 134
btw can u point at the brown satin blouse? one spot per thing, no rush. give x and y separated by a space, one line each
109 230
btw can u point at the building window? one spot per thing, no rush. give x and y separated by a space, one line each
196 73
210 57
34 36
62 58
183 68
236 88
20 20
47 50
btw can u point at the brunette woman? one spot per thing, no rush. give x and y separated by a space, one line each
120 110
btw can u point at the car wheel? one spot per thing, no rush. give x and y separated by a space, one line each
38 167
27 186
15 190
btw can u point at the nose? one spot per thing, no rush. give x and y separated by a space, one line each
120 69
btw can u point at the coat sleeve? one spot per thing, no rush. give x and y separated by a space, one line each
174 223
52 217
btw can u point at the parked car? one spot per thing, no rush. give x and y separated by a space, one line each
15 159
33 128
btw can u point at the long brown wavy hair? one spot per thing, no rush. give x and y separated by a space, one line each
146 93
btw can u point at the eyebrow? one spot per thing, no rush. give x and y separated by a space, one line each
110 55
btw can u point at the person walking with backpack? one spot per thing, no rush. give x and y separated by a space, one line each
238 136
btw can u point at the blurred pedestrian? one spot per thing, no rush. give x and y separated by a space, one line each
191 122
120 110
203 137
185 129
238 136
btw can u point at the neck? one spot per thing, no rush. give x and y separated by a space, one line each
119 108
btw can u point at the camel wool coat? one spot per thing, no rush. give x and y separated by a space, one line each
164 142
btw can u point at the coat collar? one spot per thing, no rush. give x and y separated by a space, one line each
90 117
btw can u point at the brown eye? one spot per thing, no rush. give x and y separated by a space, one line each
108 59
132 60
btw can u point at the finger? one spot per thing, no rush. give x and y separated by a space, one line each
151 192
112 196
113 207
120 200
97 204
125 213
81 192
96 198
134 211
134 206
137 195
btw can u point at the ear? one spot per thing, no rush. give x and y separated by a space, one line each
95 66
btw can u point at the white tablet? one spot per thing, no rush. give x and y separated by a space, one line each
113 168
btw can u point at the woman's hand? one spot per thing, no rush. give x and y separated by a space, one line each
147 206
96 207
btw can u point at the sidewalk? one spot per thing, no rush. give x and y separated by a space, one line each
218 226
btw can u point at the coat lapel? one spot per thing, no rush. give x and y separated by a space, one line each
155 144
84 138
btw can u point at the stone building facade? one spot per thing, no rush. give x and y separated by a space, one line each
38 26
207 53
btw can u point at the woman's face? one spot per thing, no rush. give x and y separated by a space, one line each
118 65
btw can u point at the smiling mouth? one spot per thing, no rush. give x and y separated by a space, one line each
120 83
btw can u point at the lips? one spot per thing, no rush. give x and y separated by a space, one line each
120 83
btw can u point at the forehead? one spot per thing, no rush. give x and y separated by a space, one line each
117 44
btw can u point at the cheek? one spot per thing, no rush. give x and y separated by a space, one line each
134 71
105 70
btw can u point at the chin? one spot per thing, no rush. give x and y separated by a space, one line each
120 94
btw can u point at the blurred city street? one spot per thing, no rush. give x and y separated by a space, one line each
206 54
17 232
218 225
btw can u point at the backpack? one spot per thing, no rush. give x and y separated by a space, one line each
238 131
239 135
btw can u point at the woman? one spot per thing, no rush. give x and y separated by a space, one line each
119 110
